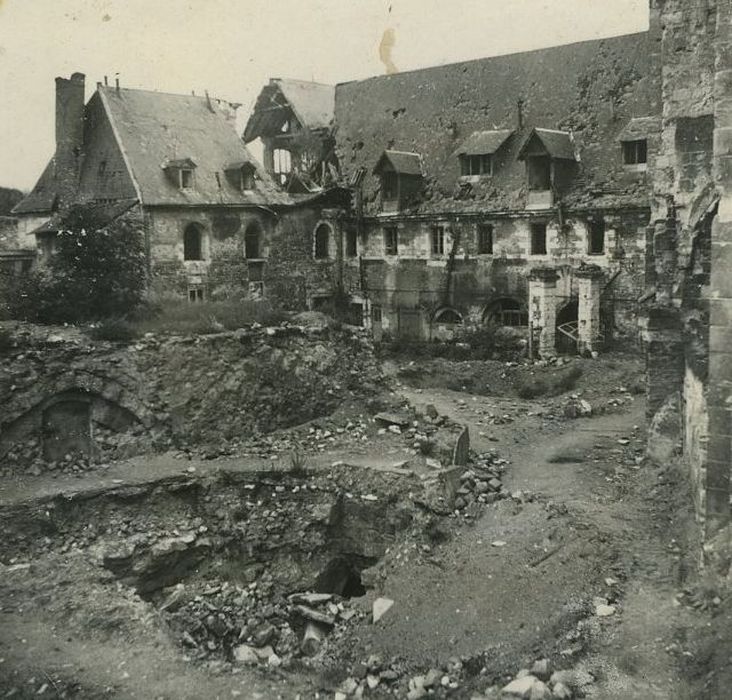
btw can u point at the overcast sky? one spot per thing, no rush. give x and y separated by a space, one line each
232 47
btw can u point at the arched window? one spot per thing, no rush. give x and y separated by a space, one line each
193 242
253 241
506 312
448 316
322 242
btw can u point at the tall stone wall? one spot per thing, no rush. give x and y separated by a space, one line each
689 316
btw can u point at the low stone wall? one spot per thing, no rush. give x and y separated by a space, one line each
63 394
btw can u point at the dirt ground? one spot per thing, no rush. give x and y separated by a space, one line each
590 562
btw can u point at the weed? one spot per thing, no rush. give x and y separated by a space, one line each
298 464
568 380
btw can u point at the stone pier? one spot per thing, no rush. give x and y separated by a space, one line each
589 282
543 308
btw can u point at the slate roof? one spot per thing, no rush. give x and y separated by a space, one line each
313 104
400 162
558 144
484 142
104 212
42 198
591 89
153 128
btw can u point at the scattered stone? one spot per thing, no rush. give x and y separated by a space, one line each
541 669
380 608
245 654
520 687
603 610
561 691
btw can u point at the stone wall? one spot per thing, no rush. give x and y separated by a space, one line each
688 320
471 281
109 400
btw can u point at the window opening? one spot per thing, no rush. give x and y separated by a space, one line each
477 164
597 237
192 243
485 239
539 173
438 240
538 239
635 152
322 242
391 241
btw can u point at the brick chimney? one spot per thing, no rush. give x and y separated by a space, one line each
69 135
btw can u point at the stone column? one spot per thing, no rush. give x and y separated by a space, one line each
589 282
543 308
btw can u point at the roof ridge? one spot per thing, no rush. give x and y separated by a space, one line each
112 89
645 33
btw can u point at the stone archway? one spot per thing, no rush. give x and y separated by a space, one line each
66 428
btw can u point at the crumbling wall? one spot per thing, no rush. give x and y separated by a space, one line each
691 302
164 392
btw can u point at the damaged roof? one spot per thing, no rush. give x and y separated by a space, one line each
155 128
591 89
312 104
484 142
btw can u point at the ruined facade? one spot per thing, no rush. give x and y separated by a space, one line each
511 190
212 216
689 299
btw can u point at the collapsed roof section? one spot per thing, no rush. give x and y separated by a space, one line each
311 104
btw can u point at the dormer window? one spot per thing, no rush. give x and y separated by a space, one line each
180 172
241 175
186 179
549 157
477 152
401 179
476 165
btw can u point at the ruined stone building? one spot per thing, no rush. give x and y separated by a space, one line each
509 190
210 212
688 304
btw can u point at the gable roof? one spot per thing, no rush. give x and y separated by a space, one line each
558 144
313 105
400 162
434 111
484 142
155 128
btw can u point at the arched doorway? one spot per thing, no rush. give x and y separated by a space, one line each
566 328
253 241
193 242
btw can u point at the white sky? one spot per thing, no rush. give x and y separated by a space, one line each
232 47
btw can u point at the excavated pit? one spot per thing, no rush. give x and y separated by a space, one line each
222 558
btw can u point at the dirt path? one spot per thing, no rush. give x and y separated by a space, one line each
616 519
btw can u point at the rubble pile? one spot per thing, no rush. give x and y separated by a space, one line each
540 682
252 624
481 482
